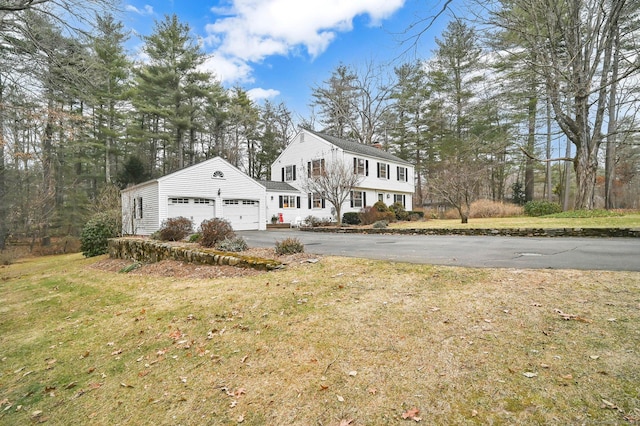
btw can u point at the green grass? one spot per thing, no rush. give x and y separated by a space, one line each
562 220
337 340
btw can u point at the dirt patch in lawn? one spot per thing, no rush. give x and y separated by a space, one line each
173 268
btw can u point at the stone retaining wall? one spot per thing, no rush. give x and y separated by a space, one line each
522 232
149 251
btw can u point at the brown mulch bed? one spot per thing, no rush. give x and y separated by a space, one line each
173 268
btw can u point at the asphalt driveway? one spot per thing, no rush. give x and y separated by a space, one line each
615 254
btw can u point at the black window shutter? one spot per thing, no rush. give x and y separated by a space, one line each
355 166
398 172
309 169
298 202
283 174
280 199
378 169
294 172
309 200
404 201
364 199
323 203
351 198
366 167
388 171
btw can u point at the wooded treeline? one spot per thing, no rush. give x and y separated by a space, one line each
537 101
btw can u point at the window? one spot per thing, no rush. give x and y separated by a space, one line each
289 202
400 199
179 200
137 208
383 170
203 201
381 197
361 166
316 201
315 168
358 199
402 174
288 173
238 202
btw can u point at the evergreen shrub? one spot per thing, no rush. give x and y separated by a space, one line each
96 233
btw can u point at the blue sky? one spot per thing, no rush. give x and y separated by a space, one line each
280 49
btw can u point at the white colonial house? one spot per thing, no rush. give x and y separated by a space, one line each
215 188
384 177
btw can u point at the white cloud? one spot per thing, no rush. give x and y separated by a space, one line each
259 93
251 30
228 69
147 10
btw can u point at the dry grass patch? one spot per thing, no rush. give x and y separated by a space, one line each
337 340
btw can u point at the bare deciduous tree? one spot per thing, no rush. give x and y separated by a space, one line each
333 182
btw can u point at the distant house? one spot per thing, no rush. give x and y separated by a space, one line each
215 188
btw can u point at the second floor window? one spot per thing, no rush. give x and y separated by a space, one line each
402 174
383 170
289 173
361 166
315 167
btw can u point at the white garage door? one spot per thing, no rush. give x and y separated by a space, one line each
242 214
196 209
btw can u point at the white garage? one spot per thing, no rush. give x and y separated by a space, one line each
196 209
213 188
242 214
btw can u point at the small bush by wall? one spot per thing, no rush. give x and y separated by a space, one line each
289 246
175 228
214 230
96 233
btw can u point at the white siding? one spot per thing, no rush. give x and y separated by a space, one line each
150 221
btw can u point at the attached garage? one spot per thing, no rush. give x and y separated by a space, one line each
196 209
213 188
242 214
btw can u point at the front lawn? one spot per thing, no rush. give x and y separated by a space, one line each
340 341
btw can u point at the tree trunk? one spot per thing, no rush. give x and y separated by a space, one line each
3 185
531 146
610 159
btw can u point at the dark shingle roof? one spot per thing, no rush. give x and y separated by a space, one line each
272 185
359 148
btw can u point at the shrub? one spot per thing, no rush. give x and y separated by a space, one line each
351 218
399 211
488 208
175 228
381 206
416 215
371 214
541 208
289 246
235 244
215 230
96 233
194 238
381 224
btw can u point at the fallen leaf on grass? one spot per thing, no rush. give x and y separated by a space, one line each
373 391
71 385
353 373
609 405
530 374
345 422
569 317
412 415
340 398
126 385
241 418
117 352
